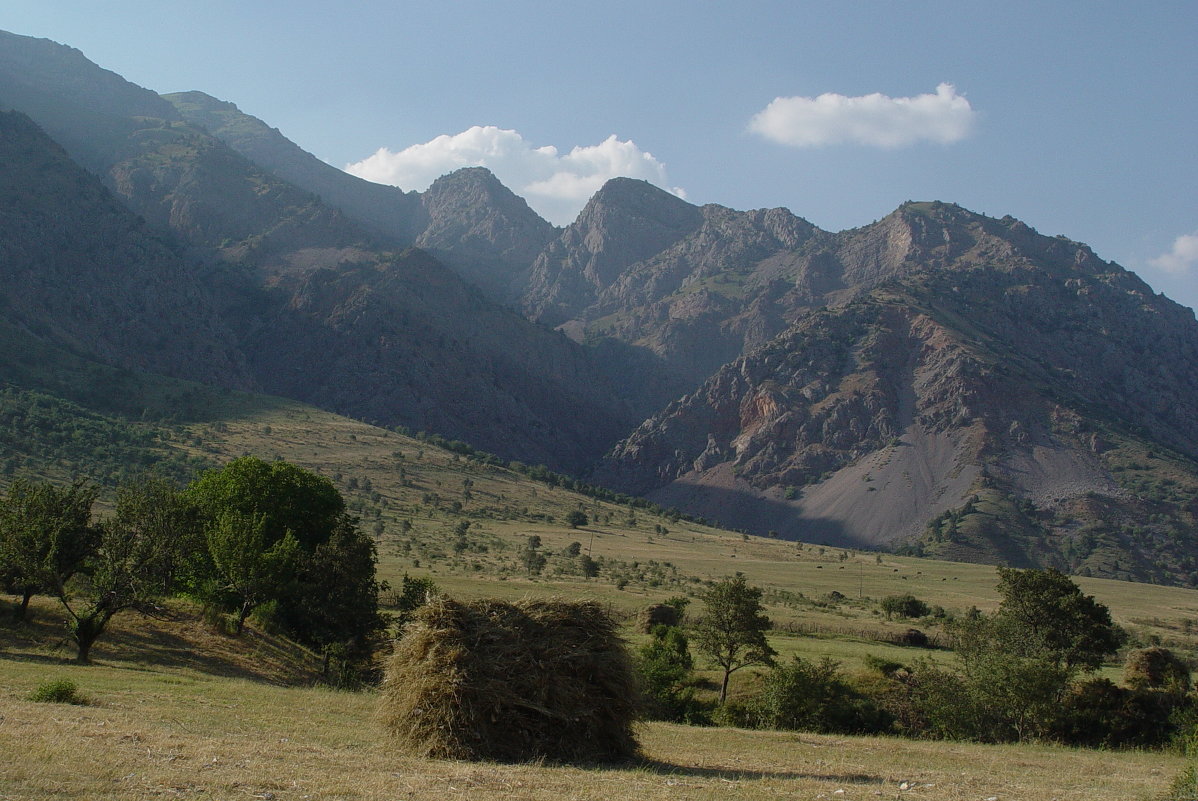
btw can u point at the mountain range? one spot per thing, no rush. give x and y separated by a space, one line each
939 381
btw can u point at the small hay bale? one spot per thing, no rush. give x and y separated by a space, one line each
511 682
656 615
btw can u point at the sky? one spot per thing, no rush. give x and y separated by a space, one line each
1079 118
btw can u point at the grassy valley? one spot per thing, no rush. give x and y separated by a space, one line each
159 723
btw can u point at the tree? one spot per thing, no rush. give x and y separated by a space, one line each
1007 691
138 554
288 498
732 632
249 569
414 592
335 605
45 535
534 561
323 590
1048 613
576 518
664 665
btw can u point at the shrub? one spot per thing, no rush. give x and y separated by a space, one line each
1185 785
663 666
511 682
62 691
903 606
1098 713
1157 669
813 696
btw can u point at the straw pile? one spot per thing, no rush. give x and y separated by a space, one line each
656 615
511 682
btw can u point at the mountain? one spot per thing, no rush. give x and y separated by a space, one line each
996 395
479 227
467 219
83 272
385 211
319 308
81 106
939 381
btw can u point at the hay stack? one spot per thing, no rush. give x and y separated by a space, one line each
511 682
656 615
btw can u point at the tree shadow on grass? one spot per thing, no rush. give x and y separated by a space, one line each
173 641
736 774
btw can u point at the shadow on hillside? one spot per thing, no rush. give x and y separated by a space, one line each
41 659
733 774
178 641
736 509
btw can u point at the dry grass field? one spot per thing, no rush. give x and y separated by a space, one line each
158 725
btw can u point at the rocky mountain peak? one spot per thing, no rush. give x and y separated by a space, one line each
482 229
625 222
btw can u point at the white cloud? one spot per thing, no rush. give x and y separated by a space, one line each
1181 258
556 185
875 120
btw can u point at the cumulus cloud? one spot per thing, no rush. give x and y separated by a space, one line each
1182 258
875 120
556 185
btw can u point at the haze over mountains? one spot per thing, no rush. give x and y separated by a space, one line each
950 382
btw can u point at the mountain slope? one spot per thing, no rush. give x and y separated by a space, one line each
81 271
385 211
321 312
467 219
994 369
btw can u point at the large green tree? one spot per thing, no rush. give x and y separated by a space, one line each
286 497
1046 613
45 535
280 534
731 633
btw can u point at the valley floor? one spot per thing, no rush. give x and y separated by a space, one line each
182 732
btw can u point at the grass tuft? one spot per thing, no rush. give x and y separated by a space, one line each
61 691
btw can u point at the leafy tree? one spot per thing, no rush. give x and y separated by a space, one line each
1007 691
664 664
576 518
336 603
1046 612
414 592
534 561
288 498
732 632
138 554
248 569
324 591
45 534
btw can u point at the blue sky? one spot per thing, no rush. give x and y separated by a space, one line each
1077 117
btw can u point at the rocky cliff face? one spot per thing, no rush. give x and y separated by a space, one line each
1007 387
625 222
